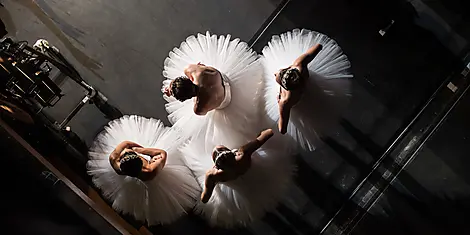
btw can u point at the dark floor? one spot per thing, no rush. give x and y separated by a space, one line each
432 195
28 206
119 48
119 45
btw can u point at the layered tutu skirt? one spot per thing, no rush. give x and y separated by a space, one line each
326 93
242 70
158 201
248 198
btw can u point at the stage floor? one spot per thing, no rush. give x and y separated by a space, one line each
119 47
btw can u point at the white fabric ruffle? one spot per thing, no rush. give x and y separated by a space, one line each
158 201
241 69
326 93
248 198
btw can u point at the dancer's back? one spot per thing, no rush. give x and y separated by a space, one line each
211 90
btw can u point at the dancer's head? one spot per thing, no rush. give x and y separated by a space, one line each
182 88
289 78
131 164
223 157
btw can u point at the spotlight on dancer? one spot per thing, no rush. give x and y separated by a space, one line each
231 164
306 85
292 81
242 184
206 84
136 163
211 86
133 160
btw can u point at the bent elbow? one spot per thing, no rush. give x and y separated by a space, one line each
199 112
187 69
164 157
204 199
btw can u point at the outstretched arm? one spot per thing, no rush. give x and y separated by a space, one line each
212 178
255 144
284 113
308 56
114 157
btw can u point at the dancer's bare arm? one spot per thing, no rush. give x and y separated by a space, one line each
190 70
200 102
116 154
213 176
198 110
284 114
303 60
255 144
201 98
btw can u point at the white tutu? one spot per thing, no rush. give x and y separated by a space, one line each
249 197
326 94
158 201
240 67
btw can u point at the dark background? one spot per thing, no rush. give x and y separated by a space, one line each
119 47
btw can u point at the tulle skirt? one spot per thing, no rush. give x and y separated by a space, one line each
242 69
158 201
326 93
248 198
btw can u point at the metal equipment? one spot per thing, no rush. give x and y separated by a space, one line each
30 76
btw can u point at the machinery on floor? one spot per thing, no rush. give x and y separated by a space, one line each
30 78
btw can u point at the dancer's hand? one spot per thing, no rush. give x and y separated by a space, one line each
168 91
156 158
153 152
250 147
125 145
115 156
265 135
128 144
304 59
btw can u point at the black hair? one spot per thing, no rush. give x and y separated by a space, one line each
131 164
183 88
290 78
224 159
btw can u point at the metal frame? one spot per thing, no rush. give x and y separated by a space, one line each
400 153
52 55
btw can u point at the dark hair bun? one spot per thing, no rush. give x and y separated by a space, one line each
224 159
183 88
290 78
131 164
